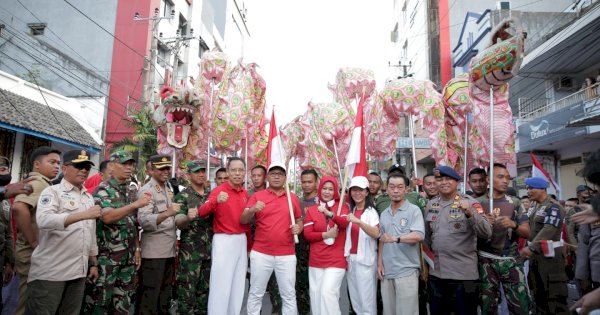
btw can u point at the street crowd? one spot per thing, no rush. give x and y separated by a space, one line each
108 245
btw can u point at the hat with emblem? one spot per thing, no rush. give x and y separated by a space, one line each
160 161
536 182
447 171
396 168
195 165
76 157
121 156
579 189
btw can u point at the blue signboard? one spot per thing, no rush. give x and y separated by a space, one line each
550 128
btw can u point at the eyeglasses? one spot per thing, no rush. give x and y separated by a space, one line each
82 166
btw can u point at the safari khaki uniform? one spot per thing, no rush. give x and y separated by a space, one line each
22 248
158 251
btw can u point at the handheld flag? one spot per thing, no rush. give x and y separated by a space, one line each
539 171
356 159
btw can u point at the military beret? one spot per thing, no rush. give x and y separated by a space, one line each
160 161
536 182
76 157
121 156
196 165
446 171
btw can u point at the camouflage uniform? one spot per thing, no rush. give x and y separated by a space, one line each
6 239
114 290
506 268
382 201
193 270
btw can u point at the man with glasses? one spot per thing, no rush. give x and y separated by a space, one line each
273 249
66 218
547 276
230 241
158 240
453 222
119 252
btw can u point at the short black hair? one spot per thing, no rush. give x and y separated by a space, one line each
234 158
573 199
396 175
41 152
500 165
428 175
310 172
477 170
103 166
259 167
375 173
222 169
524 197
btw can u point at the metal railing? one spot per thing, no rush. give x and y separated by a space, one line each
534 108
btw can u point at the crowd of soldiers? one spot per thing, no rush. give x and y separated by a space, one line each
111 245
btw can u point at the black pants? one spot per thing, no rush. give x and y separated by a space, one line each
154 290
54 297
548 283
458 296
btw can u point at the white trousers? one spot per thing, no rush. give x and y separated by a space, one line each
324 290
401 295
227 274
261 268
362 286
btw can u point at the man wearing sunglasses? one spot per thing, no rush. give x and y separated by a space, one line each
66 218
158 240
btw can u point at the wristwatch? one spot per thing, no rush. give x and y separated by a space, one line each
93 263
399 239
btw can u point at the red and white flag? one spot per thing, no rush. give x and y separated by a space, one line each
428 255
275 154
356 159
539 171
548 247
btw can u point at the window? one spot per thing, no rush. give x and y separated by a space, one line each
405 49
203 47
37 28
168 7
182 28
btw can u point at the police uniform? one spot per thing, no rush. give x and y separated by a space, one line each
158 246
547 276
588 254
193 268
59 264
113 292
452 237
501 267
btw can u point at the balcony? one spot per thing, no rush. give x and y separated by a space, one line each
530 109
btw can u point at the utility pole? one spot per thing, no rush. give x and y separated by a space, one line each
149 71
175 44
404 67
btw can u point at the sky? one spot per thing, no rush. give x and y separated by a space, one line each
300 46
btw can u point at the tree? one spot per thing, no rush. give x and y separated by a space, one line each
143 142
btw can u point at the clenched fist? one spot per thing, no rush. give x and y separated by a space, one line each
94 212
259 205
143 201
192 213
222 197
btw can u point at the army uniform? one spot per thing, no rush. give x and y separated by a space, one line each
452 238
113 292
547 277
23 249
158 250
500 264
6 239
193 270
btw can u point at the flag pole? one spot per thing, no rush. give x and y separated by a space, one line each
491 170
287 189
212 91
346 173
411 127
465 157
337 158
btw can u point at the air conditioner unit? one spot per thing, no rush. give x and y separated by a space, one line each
564 84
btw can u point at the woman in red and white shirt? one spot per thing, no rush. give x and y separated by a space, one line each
361 248
325 231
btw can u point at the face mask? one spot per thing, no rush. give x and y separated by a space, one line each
5 179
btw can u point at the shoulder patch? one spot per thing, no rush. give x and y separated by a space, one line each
46 200
477 206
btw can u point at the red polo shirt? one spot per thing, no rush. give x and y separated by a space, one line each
273 235
323 255
226 215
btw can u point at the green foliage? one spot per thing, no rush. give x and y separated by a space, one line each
143 142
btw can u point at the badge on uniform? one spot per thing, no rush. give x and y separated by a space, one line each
157 188
45 200
457 226
456 216
403 222
478 207
496 212
72 203
435 206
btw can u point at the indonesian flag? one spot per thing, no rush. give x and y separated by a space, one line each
539 171
356 159
548 247
274 152
427 255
